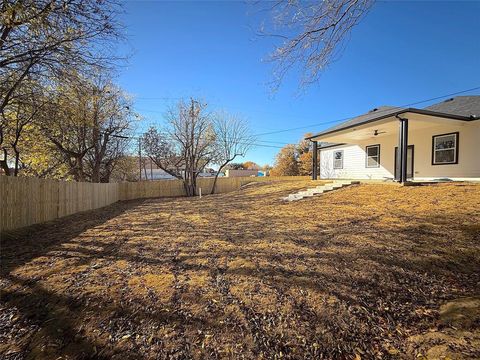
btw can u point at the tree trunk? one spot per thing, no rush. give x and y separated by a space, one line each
17 161
4 163
190 183
96 172
215 182
216 177
189 188
79 174
218 173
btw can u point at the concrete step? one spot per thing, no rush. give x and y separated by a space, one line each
347 182
315 191
337 184
293 197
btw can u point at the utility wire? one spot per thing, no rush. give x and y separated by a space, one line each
323 122
139 136
386 110
258 142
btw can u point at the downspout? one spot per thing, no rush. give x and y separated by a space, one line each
402 149
315 160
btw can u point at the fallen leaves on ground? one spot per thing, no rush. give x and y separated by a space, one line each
370 271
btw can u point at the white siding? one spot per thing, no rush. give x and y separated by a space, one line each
354 155
354 159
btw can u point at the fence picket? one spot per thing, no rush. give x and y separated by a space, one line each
26 201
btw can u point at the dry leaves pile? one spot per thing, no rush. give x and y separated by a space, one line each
370 271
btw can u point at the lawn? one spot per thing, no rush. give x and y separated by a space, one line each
368 271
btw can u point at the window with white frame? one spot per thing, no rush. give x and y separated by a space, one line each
373 156
445 149
338 159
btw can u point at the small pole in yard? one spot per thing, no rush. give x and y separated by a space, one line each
200 192
151 169
140 157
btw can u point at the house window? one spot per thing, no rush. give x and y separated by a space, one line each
338 159
373 156
445 149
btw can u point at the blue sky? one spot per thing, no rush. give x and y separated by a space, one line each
402 52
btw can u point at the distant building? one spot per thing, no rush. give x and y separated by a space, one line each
150 171
208 172
241 173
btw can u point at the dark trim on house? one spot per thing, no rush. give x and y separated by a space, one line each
444 115
343 154
394 114
330 146
327 132
366 156
457 147
315 161
403 148
395 155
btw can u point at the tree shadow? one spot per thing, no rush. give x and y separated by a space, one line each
21 246
338 287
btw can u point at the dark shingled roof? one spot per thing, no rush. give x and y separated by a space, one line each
460 105
381 111
464 107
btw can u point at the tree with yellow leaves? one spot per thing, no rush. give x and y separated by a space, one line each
294 159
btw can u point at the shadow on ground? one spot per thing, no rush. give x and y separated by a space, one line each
246 275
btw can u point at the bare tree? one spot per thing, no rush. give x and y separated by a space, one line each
312 34
186 146
111 120
232 139
160 147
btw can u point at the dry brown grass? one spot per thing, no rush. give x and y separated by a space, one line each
369 271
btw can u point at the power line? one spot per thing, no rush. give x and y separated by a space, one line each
274 142
264 145
255 144
320 123
351 117
258 143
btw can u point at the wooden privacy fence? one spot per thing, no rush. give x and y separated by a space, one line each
174 188
26 201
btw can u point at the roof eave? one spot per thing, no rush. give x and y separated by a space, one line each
403 111
356 125
331 146
444 115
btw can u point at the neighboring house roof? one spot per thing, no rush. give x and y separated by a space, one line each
460 108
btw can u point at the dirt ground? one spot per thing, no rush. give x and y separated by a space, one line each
370 271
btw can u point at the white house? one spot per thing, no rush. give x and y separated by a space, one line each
441 141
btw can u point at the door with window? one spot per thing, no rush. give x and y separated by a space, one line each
409 163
